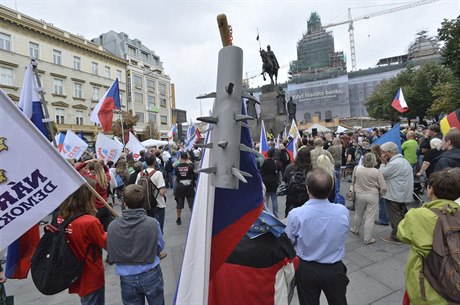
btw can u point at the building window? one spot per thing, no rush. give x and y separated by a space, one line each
58 86
163 120
77 91
6 76
33 50
5 42
119 75
121 99
307 117
138 98
57 57
131 51
145 56
140 117
137 80
76 63
107 71
95 96
94 68
162 102
59 116
328 116
79 117
162 88
151 100
152 118
151 84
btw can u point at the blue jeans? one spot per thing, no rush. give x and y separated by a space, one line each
274 202
94 298
148 285
383 216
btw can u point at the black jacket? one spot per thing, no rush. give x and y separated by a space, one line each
449 158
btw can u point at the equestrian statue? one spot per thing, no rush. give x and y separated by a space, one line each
269 64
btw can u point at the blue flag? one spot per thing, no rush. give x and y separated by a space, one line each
393 135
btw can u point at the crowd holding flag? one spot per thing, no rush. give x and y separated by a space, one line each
45 182
399 103
291 150
392 135
193 136
263 146
103 112
229 214
134 146
108 149
449 121
73 146
294 131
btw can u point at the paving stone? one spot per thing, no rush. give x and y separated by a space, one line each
389 272
364 289
394 298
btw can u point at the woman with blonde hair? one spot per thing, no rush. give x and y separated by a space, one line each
325 163
83 233
368 185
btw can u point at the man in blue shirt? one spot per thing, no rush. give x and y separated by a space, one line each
318 230
133 243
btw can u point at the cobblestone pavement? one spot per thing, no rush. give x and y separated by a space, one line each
376 271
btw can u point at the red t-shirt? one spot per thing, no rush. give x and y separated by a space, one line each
81 232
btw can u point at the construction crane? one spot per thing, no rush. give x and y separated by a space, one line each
368 16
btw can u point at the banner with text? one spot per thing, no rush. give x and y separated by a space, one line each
134 146
73 146
34 178
108 149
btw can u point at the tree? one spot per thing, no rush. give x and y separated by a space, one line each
447 98
129 121
449 33
150 131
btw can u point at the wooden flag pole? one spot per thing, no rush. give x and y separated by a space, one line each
114 213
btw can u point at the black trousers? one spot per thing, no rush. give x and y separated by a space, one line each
312 278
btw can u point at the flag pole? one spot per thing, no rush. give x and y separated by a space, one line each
107 205
46 119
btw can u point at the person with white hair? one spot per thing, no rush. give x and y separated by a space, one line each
399 178
428 164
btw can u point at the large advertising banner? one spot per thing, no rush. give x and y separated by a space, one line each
327 98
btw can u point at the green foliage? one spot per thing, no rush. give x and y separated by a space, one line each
447 97
150 131
449 33
418 89
129 121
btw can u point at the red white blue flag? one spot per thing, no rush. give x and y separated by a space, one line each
399 103
291 150
220 219
103 112
263 146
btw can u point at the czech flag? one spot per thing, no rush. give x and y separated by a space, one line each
103 112
450 121
220 218
20 252
399 103
263 144
59 138
292 152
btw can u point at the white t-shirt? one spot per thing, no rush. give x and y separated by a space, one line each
157 179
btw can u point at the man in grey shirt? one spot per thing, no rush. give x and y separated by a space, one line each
399 177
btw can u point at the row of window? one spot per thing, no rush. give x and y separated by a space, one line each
152 118
137 81
5 44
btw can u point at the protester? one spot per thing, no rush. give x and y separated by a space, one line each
399 178
82 232
417 228
318 230
285 159
429 164
409 148
336 151
317 151
433 131
270 180
296 193
185 179
369 184
133 176
133 243
325 163
451 155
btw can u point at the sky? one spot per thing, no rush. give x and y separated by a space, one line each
184 33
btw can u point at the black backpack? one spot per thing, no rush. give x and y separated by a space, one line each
297 189
54 266
169 166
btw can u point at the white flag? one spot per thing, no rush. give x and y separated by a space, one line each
34 178
73 146
294 131
134 146
108 149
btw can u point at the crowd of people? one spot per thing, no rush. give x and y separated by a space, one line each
383 178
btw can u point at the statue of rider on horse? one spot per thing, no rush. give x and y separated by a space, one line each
269 64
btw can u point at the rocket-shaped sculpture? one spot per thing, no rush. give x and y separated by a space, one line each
227 118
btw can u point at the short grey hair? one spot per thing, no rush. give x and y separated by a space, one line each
369 160
318 142
436 143
390 147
